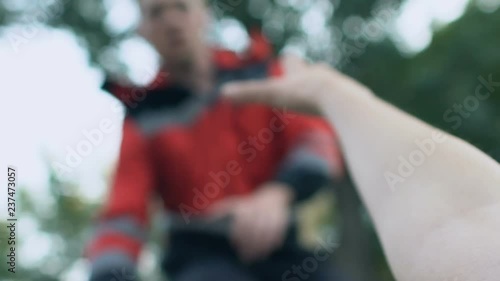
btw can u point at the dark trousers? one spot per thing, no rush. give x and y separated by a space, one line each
204 257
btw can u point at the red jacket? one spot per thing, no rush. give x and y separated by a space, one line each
193 151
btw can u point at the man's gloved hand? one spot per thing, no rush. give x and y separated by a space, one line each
260 220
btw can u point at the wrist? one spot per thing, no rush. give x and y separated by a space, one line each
340 92
280 193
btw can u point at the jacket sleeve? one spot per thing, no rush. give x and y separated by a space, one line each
121 230
312 156
312 152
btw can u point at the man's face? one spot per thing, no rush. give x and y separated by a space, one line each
174 27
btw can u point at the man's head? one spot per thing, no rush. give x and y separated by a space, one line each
175 27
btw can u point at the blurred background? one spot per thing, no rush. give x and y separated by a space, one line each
424 56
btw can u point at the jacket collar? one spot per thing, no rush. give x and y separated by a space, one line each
259 51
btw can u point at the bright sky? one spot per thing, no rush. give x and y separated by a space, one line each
414 25
50 95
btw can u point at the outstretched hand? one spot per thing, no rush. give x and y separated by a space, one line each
303 88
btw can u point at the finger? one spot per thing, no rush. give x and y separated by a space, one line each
267 239
259 239
240 230
264 91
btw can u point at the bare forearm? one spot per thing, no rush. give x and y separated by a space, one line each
434 198
415 180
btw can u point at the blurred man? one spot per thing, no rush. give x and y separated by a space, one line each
211 162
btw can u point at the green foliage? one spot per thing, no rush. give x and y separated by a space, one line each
66 222
444 74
